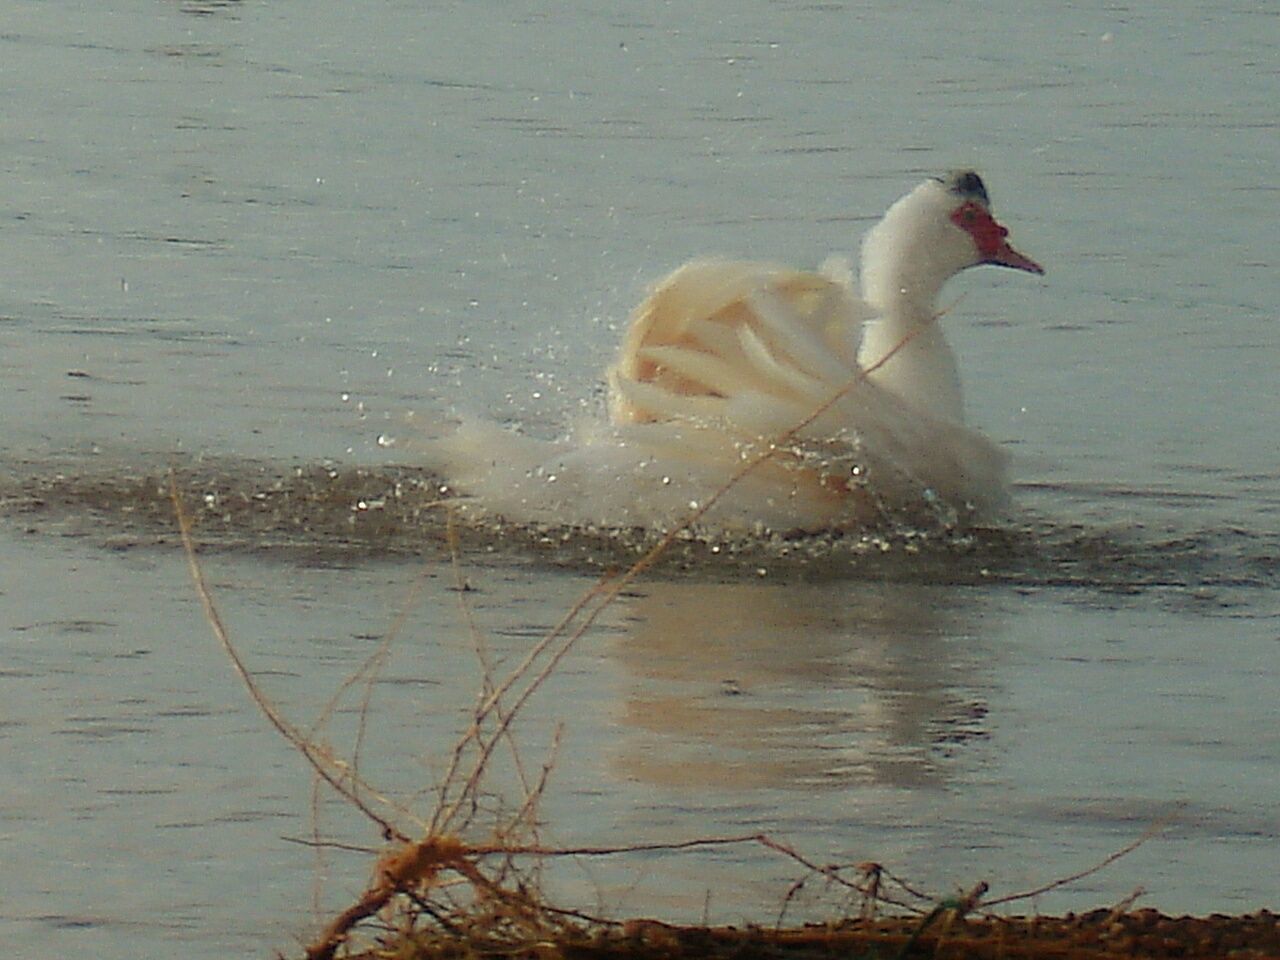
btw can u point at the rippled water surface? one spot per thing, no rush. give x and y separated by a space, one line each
270 246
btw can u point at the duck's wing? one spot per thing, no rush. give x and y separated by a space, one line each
730 354
719 331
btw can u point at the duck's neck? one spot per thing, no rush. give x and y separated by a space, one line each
922 371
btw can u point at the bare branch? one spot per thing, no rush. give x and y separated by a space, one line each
1151 831
333 774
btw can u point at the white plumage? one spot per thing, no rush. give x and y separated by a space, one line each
726 358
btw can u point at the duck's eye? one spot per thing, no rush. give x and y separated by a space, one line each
969 217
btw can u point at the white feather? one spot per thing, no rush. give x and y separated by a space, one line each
799 340
783 380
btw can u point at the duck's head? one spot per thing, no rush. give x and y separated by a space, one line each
941 227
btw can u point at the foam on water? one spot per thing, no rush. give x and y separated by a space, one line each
322 510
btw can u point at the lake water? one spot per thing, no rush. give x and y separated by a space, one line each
252 239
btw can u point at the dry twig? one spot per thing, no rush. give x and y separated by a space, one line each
337 774
1155 829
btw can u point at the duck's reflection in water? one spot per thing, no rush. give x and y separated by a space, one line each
748 685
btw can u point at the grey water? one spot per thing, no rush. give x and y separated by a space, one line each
273 240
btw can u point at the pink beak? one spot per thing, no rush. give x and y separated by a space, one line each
1006 256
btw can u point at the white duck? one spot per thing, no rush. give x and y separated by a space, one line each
726 358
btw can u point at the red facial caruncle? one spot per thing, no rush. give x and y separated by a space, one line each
989 236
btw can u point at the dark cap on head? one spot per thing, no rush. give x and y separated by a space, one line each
966 183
